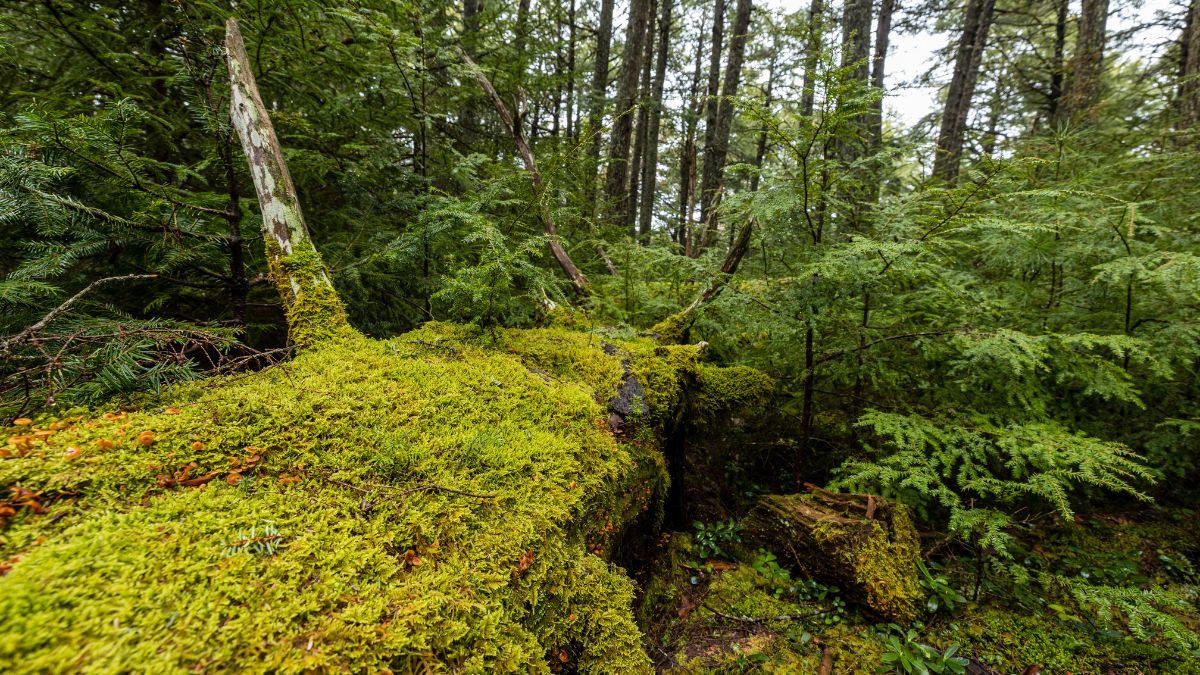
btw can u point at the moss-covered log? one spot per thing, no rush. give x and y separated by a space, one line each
446 500
862 543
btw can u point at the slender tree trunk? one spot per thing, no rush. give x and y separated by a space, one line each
812 53
1189 88
1087 63
469 115
650 166
1059 65
687 156
293 261
596 96
995 109
716 153
883 29
760 152
535 179
972 41
712 110
570 131
616 175
641 137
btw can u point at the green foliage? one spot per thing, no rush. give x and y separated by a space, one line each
940 595
714 540
975 472
904 654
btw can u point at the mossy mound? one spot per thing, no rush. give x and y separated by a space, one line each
862 543
442 501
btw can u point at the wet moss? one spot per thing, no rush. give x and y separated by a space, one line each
445 500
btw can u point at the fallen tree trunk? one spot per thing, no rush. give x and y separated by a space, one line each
445 500
863 544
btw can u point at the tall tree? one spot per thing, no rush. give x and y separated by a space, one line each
1087 62
641 135
717 150
687 154
1189 72
650 166
812 55
596 96
977 21
883 29
616 175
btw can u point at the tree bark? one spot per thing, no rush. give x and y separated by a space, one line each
712 107
1060 55
883 29
760 152
616 176
716 153
282 221
641 135
650 166
812 53
570 131
535 179
1189 88
948 153
687 157
596 98
1087 63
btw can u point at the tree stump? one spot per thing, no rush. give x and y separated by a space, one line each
863 544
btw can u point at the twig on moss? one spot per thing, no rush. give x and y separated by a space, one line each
763 619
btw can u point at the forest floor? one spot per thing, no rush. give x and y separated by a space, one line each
742 612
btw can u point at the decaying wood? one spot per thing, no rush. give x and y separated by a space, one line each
282 222
535 178
861 543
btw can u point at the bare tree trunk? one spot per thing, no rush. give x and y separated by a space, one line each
313 310
616 175
1087 62
641 136
596 97
687 156
717 151
973 40
469 115
760 152
812 52
851 147
1059 64
650 166
570 131
883 29
1189 88
535 179
712 108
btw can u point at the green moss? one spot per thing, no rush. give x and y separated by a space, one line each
673 329
724 390
440 503
883 564
317 313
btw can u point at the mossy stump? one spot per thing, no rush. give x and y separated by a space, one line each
861 543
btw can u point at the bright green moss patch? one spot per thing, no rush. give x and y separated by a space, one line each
316 313
432 502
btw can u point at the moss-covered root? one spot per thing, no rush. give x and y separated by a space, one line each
863 543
